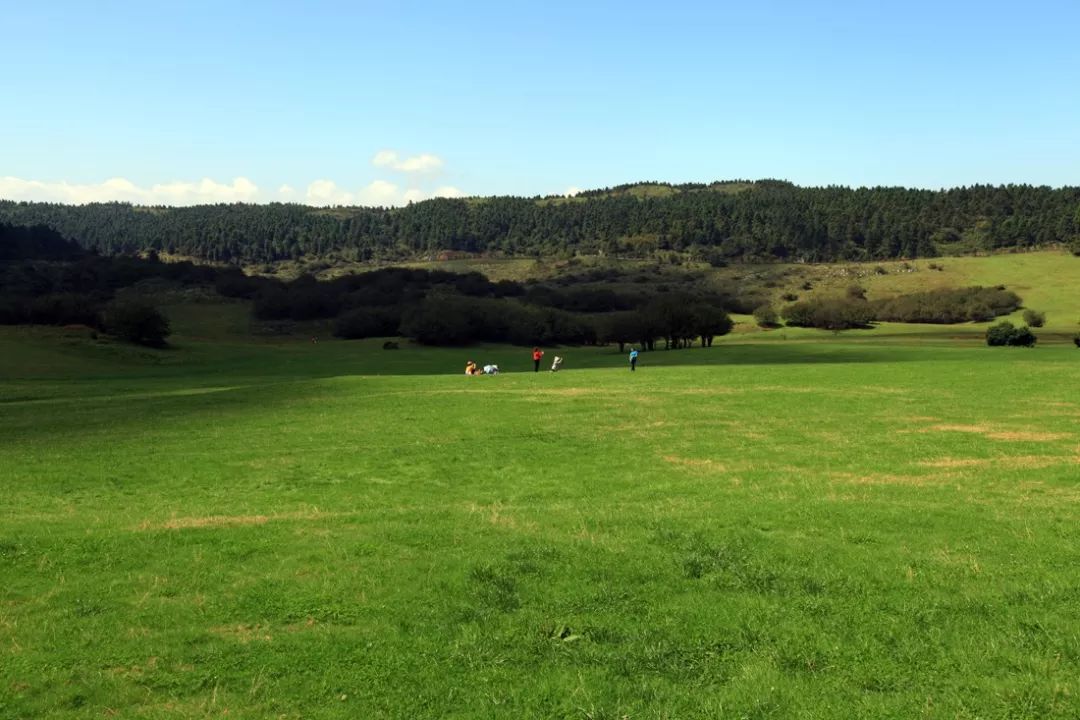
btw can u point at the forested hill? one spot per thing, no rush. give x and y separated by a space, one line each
735 221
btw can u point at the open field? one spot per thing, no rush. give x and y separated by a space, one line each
874 525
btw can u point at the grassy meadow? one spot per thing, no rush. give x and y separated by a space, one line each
789 524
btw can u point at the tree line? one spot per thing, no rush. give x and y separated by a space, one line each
47 280
721 222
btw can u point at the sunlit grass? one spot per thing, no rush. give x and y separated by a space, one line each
818 527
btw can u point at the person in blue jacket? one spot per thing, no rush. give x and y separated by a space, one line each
633 359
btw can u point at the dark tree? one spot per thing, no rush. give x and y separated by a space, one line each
136 322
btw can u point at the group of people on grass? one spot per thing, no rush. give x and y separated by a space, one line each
471 368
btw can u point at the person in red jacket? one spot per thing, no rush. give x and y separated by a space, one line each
537 354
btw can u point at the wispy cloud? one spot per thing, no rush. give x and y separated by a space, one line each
424 163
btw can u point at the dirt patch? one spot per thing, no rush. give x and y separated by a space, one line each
244 634
993 433
699 463
849 478
135 671
955 463
495 514
213 521
1022 436
980 429
1027 462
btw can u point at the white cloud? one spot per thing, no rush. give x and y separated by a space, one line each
385 158
123 190
423 163
571 191
380 192
321 192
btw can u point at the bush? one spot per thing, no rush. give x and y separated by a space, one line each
999 335
1006 334
829 314
789 297
1023 337
1034 318
1076 340
766 316
137 322
856 291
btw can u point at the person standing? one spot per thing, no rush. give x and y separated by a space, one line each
537 354
633 359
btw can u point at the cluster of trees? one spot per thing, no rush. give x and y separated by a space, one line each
46 280
1006 334
839 313
764 220
441 308
948 306
853 310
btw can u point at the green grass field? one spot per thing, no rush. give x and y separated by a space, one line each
789 524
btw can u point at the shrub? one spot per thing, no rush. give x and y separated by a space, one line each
1005 333
1034 318
789 297
1076 340
998 335
1023 337
766 316
829 314
137 322
856 291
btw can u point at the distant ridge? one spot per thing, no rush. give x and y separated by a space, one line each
729 221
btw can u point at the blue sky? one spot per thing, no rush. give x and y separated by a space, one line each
200 101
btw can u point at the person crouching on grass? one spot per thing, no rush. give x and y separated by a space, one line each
537 354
